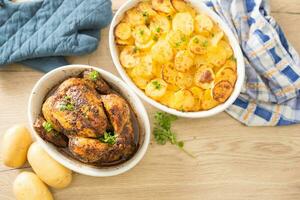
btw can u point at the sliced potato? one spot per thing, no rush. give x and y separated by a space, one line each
177 40
230 63
227 48
167 98
183 22
184 60
163 6
200 60
217 38
156 88
182 6
222 91
183 100
203 23
159 25
145 69
162 51
169 73
199 44
227 74
144 46
129 57
146 8
204 77
123 31
129 41
184 80
208 101
197 92
216 56
135 17
141 34
140 82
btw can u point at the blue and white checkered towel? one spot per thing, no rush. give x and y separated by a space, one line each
271 92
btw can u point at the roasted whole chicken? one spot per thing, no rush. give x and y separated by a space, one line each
88 118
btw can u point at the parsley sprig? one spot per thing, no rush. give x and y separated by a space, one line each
94 75
47 126
109 138
163 133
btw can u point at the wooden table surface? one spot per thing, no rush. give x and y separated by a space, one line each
232 161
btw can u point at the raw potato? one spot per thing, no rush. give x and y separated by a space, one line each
183 22
15 144
47 169
199 44
27 186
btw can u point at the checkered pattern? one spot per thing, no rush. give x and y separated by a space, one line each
271 92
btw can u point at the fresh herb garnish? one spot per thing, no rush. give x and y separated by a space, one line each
196 40
145 14
169 17
67 97
156 84
109 138
94 75
177 44
135 49
66 106
158 29
141 32
155 38
47 126
205 43
163 133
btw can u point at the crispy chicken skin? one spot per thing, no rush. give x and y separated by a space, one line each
52 136
81 111
85 116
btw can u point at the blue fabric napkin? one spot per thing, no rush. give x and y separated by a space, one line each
39 33
271 92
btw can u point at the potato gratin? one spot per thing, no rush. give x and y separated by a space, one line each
177 56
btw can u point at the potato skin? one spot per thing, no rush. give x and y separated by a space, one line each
47 169
16 142
27 186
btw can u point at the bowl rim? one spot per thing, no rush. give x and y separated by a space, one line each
198 114
86 169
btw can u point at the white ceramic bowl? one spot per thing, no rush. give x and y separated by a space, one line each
54 77
199 6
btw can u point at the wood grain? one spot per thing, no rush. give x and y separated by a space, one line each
233 162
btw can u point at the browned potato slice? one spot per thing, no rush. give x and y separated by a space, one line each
197 92
222 91
156 88
198 44
184 80
168 73
183 100
162 52
184 23
135 17
208 101
204 77
227 74
177 39
182 6
203 23
141 34
145 69
184 60
163 6
123 31
159 25
129 57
